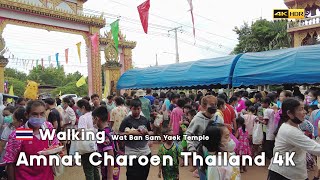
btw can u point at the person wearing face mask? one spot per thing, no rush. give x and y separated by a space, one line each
200 122
18 120
219 141
289 138
7 116
35 113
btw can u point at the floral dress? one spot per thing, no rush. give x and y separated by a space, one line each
170 172
244 147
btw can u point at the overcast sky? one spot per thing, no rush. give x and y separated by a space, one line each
214 22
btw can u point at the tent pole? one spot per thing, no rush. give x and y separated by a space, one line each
228 90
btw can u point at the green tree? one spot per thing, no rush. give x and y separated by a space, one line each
48 76
13 73
18 86
72 77
262 35
71 88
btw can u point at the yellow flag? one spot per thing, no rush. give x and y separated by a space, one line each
81 81
79 50
10 93
105 91
60 93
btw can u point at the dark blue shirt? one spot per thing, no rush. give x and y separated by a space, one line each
151 98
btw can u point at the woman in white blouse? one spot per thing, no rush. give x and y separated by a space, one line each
290 139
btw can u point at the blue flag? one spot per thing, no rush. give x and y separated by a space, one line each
57 59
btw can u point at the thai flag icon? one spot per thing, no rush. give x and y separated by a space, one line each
24 134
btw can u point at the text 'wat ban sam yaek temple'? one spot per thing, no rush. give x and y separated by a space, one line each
68 16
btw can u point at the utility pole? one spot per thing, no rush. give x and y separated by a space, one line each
176 37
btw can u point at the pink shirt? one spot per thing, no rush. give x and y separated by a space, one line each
249 122
241 105
32 147
175 119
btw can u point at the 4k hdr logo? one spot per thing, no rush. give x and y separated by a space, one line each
288 14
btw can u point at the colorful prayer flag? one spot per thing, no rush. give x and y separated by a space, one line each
49 59
115 33
24 134
79 50
81 81
66 54
10 93
143 10
105 90
191 10
57 59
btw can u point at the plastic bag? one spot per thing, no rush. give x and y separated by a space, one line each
87 146
257 134
158 120
58 169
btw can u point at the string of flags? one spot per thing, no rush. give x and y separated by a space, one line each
25 62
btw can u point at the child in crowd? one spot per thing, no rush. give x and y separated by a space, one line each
157 125
244 146
156 106
308 130
169 148
7 116
249 121
185 119
309 110
100 117
220 141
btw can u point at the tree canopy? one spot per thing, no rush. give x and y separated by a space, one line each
50 76
262 35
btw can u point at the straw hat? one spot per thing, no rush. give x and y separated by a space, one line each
140 93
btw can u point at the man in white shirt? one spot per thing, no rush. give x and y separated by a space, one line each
268 120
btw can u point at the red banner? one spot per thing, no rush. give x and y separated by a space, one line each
144 14
66 54
191 10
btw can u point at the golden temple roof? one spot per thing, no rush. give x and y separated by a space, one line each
51 12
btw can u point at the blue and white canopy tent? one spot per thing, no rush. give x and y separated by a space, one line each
205 72
286 66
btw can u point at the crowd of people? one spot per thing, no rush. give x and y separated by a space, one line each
242 123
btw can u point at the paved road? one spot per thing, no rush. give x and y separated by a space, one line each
253 173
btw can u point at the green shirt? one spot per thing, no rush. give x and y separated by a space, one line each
170 172
146 107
